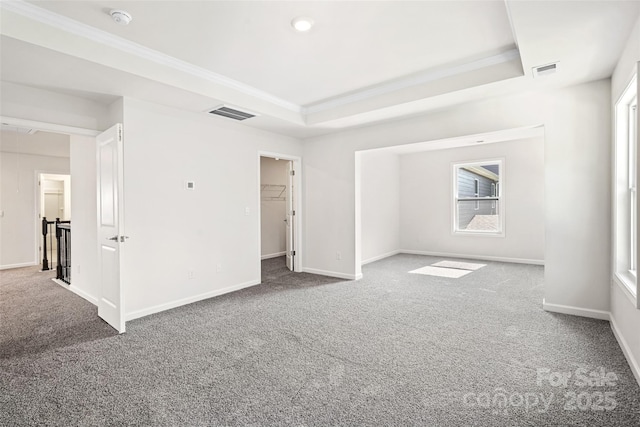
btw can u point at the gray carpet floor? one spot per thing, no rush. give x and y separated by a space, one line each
392 349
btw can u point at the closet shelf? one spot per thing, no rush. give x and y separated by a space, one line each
273 192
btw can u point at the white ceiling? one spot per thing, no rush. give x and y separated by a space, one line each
362 62
352 45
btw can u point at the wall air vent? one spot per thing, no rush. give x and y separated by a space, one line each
231 113
545 70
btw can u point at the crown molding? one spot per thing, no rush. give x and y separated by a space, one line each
427 76
77 28
105 38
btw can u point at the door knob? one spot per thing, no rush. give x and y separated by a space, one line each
113 238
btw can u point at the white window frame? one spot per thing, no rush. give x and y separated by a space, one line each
633 178
499 195
625 200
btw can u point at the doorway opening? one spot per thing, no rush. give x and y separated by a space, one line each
54 206
409 198
279 209
95 164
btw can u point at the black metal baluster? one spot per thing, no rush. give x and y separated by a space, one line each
45 229
59 250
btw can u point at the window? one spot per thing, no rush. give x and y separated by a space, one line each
626 199
633 205
476 193
477 199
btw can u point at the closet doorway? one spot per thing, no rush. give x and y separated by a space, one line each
279 212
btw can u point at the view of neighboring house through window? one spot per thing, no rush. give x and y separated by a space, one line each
478 206
633 194
626 199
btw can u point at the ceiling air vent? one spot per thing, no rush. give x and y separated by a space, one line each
231 113
545 70
25 131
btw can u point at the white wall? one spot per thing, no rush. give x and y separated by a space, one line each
216 224
426 188
23 102
379 204
577 156
625 317
19 228
84 225
273 212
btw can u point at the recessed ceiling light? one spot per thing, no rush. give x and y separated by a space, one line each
302 23
121 17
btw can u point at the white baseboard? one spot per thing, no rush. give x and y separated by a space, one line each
633 363
184 301
93 300
82 294
274 255
20 265
576 311
379 257
478 257
332 274
61 283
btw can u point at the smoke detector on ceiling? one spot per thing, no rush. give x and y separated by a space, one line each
545 70
121 17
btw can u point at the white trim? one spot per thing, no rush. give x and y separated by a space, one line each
80 29
103 37
619 201
82 294
576 311
297 207
189 300
427 76
48 127
625 289
478 257
511 25
332 274
626 350
19 265
93 300
61 283
379 257
273 255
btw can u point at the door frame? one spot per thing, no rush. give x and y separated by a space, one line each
297 207
45 127
54 128
39 205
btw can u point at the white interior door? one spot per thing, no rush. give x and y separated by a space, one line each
110 225
290 255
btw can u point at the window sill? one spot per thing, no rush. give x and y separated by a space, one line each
627 282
